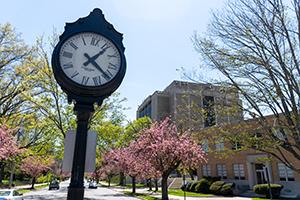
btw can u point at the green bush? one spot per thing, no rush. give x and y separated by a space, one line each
263 189
188 186
227 189
211 180
44 178
183 187
193 186
202 186
215 188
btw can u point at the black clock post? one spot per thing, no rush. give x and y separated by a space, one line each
89 65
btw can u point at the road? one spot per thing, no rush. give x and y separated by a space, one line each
100 193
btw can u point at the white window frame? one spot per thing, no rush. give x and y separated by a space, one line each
220 145
206 170
222 171
239 171
285 173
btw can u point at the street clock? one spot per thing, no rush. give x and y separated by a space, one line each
88 61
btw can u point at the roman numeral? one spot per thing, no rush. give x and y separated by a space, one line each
105 46
68 65
109 73
73 45
67 54
83 40
85 80
107 77
112 66
94 42
74 74
112 56
97 80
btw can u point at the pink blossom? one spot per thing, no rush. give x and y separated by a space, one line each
8 146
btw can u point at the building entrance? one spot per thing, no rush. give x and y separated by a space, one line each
260 174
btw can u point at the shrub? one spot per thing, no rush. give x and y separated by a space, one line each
211 180
227 189
183 187
263 189
193 186
188 186
215 188
202 186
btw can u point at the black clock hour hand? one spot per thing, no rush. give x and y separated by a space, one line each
95 56
90 60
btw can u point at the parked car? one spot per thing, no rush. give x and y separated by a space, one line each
54 185
93 185
10 194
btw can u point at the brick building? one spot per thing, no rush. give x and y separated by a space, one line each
200 107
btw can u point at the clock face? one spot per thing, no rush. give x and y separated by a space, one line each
89 59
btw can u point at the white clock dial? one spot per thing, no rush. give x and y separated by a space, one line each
89 59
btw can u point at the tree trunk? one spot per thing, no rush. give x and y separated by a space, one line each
191 175
33 182
164 187
1 171
11 177
149 184
122 177
109 181
156 185
133 185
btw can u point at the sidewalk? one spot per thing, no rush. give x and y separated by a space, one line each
172 197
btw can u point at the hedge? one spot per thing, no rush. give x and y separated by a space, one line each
215 188
263 189
202 186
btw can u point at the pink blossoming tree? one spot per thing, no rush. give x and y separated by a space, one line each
125 160
165 149
8 146
34 166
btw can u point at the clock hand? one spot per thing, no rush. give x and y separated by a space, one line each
95 56
93 62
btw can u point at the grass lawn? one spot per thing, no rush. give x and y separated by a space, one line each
188 194
142 196
136 185
25 190
5 183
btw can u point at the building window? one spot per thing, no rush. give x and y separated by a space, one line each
236 146
204 145
221 171
238 171
285 173
206 170
220 145
208 105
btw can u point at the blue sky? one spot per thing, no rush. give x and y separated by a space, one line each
157 34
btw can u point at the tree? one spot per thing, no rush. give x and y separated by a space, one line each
165 150
8 145
8 148
133 130
254 44
35 166
13 56
126 160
